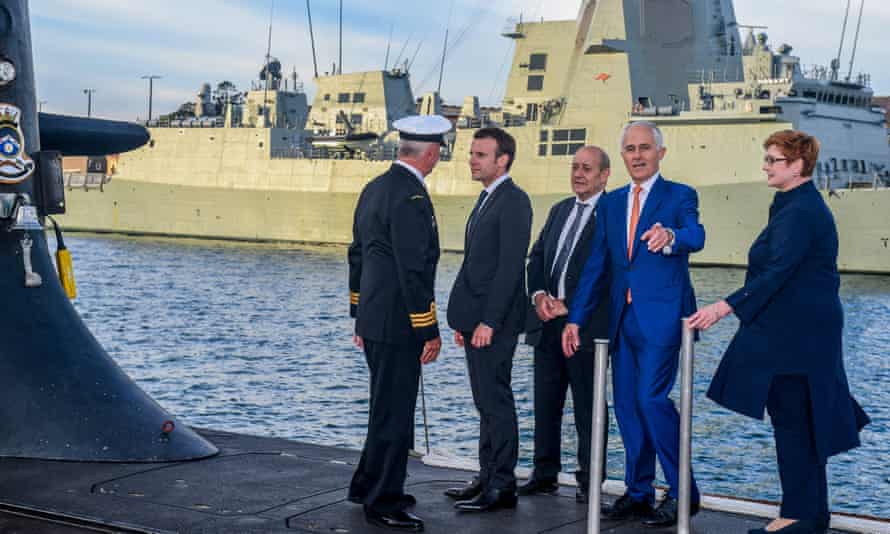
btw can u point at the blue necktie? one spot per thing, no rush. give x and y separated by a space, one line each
563 257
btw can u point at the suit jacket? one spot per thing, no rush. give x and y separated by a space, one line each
540 264
490 286
392 260
660 284
791 322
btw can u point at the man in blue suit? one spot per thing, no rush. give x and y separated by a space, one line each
644 234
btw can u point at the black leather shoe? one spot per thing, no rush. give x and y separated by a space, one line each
465 493
536 485
488 501
581 495
666 513
398 520
626 508
801 526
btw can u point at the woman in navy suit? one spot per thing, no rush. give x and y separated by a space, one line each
787 354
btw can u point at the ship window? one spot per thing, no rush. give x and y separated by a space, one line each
844 100
579 134
537 62
845 165
542 149
358 98
809 93
574 147
535 83
343 98
531 112
545 136
560 135
355 119
559 150
862 168
327 97
833 164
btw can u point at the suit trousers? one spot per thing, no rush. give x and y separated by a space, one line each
643 374
803 476
490 371
554 374
379 479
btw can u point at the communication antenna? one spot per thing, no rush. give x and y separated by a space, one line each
856 40
836 63
388 43
340 59
444 49
312 39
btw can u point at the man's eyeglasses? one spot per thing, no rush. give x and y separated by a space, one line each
769 160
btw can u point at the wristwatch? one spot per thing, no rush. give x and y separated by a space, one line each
669 248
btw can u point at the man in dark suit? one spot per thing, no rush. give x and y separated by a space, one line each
554 268
487 309
392 271
644 235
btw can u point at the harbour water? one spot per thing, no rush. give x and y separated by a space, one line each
256 339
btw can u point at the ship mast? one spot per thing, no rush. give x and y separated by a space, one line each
856 40
836 62
268 72
312 39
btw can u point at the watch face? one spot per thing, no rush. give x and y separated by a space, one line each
7 72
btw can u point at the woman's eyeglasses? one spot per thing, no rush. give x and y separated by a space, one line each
769 160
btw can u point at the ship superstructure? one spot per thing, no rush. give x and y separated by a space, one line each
683 65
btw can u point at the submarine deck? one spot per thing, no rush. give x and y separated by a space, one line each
259 484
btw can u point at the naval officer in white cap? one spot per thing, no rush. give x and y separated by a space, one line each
392 271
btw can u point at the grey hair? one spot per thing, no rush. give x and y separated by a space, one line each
656 132
605 162
412 149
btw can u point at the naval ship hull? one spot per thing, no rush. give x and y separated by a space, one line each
186 186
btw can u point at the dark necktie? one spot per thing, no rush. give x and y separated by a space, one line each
475 212
563 257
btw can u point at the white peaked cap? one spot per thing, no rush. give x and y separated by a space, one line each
425 128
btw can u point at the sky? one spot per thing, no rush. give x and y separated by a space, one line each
108 45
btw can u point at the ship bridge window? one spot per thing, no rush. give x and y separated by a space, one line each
833 164
358 98
343 98
844 100
565 142
845 165
535 83
537 62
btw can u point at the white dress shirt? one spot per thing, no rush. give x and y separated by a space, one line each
585 217
588 213
644 194
490 189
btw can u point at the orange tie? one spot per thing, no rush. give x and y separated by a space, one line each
632 231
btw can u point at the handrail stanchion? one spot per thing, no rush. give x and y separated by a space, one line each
596 436
687 356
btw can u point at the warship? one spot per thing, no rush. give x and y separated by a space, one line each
270 167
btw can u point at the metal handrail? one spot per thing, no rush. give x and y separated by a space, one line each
595 490
687 358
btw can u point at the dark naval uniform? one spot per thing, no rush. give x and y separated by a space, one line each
392 270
